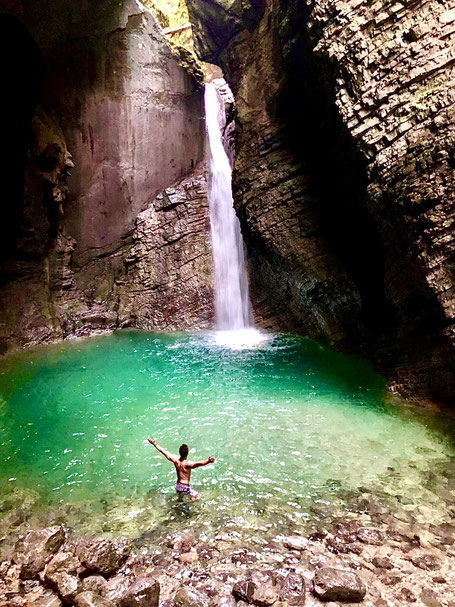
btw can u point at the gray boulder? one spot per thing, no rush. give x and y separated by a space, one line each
338 585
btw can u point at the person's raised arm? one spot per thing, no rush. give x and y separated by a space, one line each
209 460
170 456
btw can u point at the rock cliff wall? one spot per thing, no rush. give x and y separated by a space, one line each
344 173
118 121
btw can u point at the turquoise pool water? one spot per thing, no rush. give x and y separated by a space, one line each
296 429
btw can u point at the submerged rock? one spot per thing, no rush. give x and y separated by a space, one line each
338 585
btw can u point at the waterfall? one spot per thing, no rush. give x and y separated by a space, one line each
232 305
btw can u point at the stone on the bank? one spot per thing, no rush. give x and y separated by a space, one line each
243 557
430 598
68 586
91 599
50 599
429 562
183 542
62 562
293 589
102 555
205 552
189 597
295 543
117 587
227 600
144 592
4 566
95 583
160 560
370 536
189 557
264 595
32 552
382 562
338 585
243 591
61 574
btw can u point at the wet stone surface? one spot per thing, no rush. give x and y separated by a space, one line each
409 565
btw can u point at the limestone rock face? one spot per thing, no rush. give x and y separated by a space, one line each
344 176
167 276
118 121
217 22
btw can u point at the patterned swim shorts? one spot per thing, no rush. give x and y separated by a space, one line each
184 490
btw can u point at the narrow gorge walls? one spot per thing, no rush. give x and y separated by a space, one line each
118 122
344 173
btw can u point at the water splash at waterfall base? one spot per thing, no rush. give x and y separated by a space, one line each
232 303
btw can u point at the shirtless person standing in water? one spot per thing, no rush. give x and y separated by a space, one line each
183 468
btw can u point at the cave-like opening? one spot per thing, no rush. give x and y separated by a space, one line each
22 69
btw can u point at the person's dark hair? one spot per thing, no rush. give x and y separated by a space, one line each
183 451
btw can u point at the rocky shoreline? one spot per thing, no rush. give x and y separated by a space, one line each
377 557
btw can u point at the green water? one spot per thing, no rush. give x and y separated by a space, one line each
296 430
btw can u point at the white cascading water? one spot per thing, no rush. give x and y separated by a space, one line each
232 304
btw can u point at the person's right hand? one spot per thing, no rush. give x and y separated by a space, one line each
211 460
152 441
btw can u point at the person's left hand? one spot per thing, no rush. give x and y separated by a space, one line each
152 441
211 460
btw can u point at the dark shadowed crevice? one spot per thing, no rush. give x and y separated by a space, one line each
22 70
320 142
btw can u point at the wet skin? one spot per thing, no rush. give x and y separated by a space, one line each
183 467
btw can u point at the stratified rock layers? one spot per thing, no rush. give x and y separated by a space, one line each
119 121
344 174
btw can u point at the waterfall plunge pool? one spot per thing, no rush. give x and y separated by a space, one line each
300 435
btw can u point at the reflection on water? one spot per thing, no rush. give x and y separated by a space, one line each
298 432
